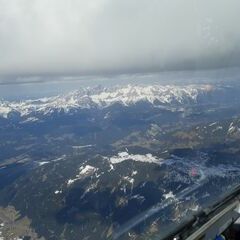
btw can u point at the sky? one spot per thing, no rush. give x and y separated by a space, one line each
42 39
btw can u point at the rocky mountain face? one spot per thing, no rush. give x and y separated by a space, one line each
88 98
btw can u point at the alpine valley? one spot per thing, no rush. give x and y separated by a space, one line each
116 162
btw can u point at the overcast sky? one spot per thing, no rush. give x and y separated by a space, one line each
68 37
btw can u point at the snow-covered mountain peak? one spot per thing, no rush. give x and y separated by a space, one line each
100 97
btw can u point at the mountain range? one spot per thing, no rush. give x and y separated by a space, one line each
100 97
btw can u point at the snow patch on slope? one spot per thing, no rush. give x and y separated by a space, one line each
84 172
123 156
169 195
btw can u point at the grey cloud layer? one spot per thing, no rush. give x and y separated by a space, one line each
106 36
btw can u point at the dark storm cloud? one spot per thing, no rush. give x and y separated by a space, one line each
71 37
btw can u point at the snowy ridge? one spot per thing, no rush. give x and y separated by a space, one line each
123 156
104 97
